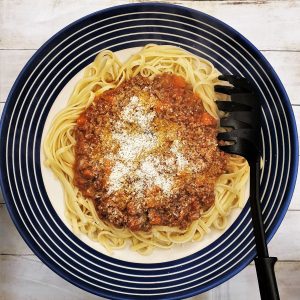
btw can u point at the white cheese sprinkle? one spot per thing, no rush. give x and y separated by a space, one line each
149 170
117 177
135 112
180 159
131 145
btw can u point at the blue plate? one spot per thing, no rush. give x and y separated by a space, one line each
32 97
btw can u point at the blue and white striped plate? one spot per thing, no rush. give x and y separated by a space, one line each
35 93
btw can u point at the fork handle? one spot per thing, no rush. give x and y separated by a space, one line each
264 264
266 278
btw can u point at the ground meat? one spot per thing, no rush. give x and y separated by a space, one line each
183 182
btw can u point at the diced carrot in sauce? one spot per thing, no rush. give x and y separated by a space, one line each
159 106
80 180
110 98
162 105
207 119
150 203
154 217
87 173
179 81
81 120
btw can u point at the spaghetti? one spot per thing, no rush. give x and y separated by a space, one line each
107 73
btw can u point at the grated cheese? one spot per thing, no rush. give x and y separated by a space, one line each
116 177
134 162
180 159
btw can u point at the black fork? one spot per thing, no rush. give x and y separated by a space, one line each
243 118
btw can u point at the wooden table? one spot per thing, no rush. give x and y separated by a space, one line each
272 26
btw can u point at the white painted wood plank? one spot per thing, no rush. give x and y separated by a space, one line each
1 198
13 242
27 24
33 22
287 67
286 64
285 244
25 278
244 285
262 22
296 110
295 203
11 63
1 108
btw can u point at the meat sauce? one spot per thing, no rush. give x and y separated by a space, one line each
146 154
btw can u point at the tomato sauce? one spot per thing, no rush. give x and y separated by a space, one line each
146 154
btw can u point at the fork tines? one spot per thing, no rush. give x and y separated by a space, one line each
243 117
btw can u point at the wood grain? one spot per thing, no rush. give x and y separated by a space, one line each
1 109
287 66
27 24
295 203
271 26
29 271
11 63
